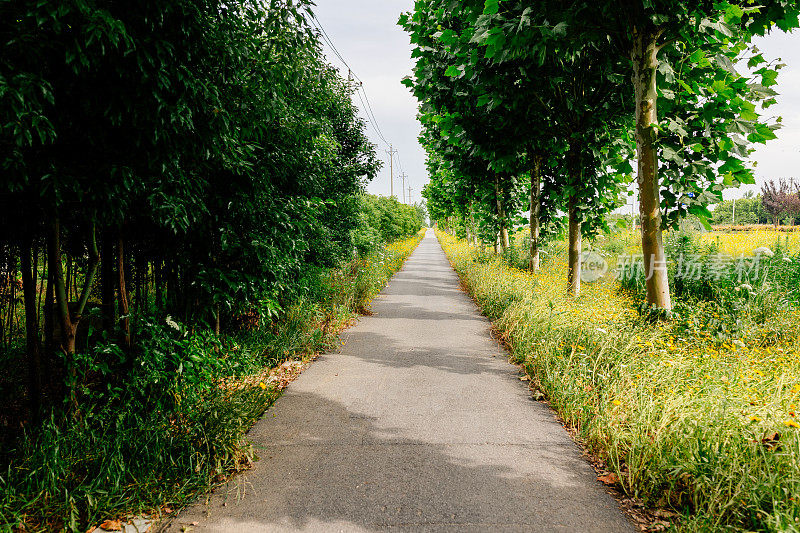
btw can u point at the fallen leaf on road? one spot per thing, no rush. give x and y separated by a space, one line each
609 479
111 525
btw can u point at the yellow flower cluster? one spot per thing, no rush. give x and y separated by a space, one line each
744 242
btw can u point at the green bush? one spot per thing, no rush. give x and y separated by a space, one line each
153 427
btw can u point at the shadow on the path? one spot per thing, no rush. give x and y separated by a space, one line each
464 360
413 427
323 467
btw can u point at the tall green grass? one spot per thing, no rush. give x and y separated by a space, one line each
698 423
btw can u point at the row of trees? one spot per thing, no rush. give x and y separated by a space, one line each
542 109
191 158
776 203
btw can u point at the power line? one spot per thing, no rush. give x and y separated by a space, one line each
366 105
360 86
372 122
369 106
317 24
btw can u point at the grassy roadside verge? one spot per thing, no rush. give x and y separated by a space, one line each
705 428
178 422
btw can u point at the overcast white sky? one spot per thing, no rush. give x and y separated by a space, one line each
366 34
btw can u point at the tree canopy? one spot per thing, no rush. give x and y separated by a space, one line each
570 89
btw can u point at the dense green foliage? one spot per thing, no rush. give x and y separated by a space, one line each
539 108
176 420
182 202
748 210
383 220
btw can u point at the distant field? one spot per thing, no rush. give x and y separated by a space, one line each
743 242
736 241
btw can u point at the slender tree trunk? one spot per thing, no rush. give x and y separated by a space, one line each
107 281
501 215
123 293
68 280
49 304
40 284
645 65
69 320
141 266
536 190
504 240
575 240
32 344
158 282
472 224
68 328
12 301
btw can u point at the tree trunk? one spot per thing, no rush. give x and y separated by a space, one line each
68 279
472 224
123 294
501 215
49 301
504 241
32 342
107 281
69 320
645 64
575 240
139 278
158 282
68 328
39 285
536 190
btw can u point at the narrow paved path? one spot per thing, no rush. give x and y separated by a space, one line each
418 423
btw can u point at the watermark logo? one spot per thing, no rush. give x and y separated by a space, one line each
593 266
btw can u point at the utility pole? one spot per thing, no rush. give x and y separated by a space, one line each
733 215
403 186
409 194
391 153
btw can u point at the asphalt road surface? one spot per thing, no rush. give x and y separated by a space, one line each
418 423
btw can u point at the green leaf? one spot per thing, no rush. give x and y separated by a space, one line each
560 28
733 13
